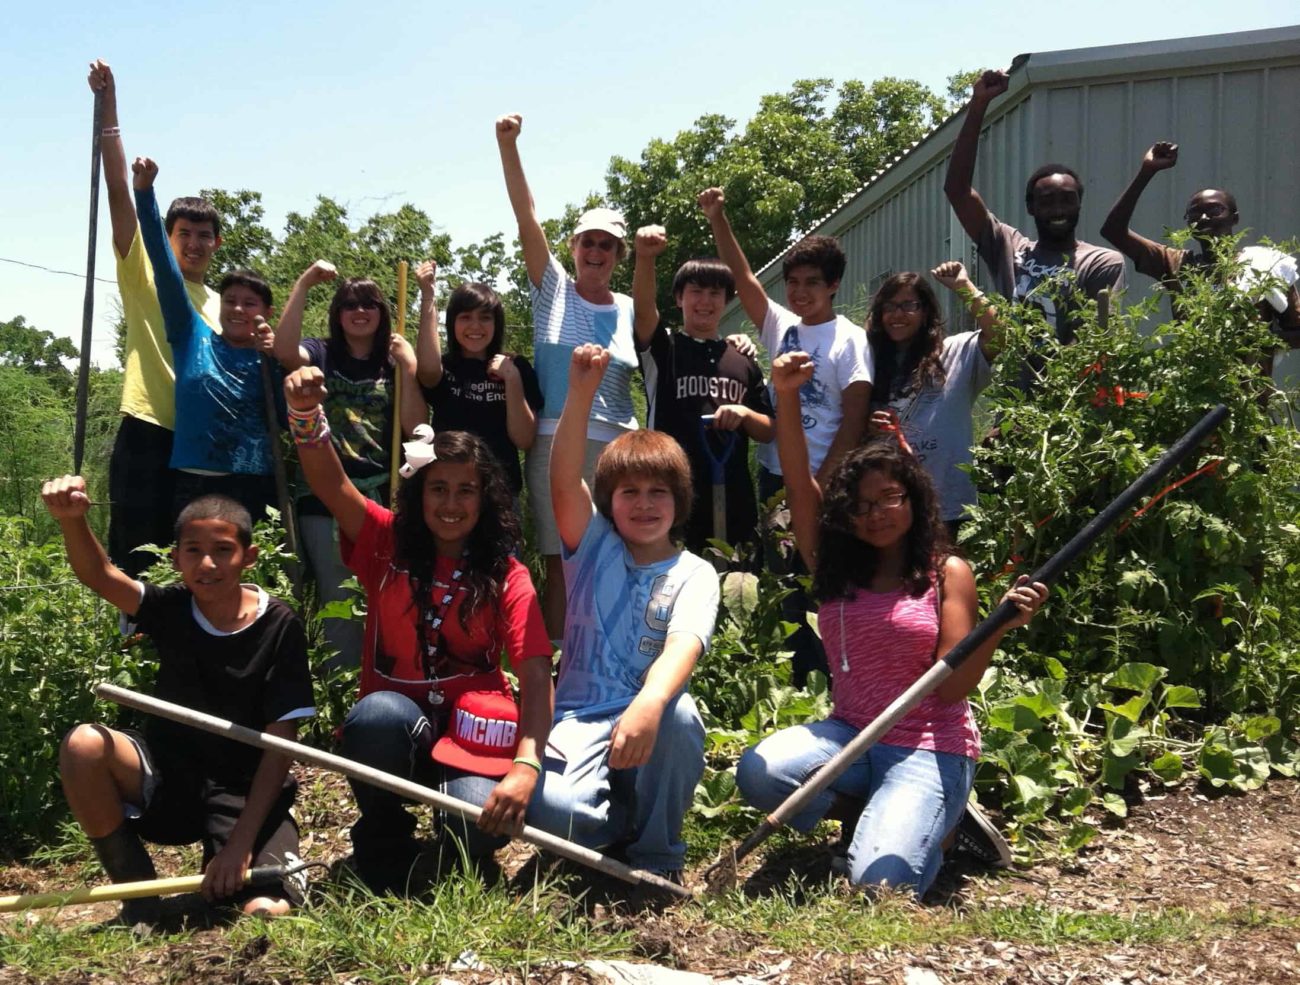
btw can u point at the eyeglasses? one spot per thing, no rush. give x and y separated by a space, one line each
884 504
1210 210
604 245
368 304
906 307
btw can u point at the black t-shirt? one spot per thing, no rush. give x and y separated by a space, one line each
467 399
253 677
685 379
359 407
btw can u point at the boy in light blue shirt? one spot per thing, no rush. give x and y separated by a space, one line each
627 746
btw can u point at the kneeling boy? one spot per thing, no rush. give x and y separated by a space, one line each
627 746
224 648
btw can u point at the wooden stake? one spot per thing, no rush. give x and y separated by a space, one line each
397 388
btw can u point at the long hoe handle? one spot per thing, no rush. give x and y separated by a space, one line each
378 778
909 699
281 471
131 890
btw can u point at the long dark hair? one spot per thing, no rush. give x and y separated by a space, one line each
471 297
922 363
490 543
845 563
359 289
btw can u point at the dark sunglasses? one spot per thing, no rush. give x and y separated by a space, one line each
368 304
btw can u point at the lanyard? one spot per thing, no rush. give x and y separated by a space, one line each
429 630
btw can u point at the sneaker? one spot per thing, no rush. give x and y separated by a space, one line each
976 836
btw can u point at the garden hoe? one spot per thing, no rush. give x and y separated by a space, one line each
263 875
722 874
384 781
718 473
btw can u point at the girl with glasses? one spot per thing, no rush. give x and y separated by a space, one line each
360 357
892 599
927 382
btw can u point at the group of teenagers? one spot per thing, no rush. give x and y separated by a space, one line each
864 431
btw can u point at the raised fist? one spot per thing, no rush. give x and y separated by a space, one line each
951 274
791 370
1160 157
711 201
508 127
587 367
426 272
304 389
991 84
651 241
503 368
319 272
66 497
100 77
145 172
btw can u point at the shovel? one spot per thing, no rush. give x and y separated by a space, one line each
263 875
384 781
722 874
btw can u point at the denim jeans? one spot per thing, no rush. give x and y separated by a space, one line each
914 798
580 798
390 732
320 544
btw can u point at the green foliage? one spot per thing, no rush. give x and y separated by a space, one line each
56 641
800 154
40 353
1171 647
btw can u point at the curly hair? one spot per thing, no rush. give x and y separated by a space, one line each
845 563
922 363
489 545
359 289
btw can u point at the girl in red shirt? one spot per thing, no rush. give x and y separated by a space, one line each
445 597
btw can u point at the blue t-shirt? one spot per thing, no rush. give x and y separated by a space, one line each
618 616
562 321
220 414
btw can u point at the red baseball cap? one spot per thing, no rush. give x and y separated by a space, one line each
482 733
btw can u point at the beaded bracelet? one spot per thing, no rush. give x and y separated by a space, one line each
310 429
526 761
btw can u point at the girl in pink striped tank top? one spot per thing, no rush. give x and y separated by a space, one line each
892 599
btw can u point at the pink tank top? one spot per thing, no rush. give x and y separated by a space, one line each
877 645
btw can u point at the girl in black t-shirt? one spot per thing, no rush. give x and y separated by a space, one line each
476 387
360 357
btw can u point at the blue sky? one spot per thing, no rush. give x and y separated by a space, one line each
380 103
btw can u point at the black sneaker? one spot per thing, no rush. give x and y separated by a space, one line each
977 837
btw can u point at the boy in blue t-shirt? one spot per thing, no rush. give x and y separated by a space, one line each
627 746
222 444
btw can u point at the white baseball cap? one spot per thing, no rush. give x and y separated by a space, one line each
604 220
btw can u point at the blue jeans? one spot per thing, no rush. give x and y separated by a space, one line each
580 798
914 798
390 732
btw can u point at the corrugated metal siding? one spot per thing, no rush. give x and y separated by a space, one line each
1236 126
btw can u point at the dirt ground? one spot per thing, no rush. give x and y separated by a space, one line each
1212 856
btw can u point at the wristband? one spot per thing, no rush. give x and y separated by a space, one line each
309 428
111 132
527 761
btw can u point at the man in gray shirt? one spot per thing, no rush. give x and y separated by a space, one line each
1022 269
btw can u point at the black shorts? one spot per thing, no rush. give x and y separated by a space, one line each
182 809
141 489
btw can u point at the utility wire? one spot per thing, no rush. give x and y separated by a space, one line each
51 270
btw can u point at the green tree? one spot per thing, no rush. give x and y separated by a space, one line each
795 161
41 353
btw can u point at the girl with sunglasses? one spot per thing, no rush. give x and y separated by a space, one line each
927 382
360 358
444 598
892 599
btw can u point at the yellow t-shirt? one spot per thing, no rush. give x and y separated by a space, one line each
148 386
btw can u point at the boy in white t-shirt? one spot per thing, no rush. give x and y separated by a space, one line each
835 401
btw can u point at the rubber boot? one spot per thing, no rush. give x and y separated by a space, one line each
125 860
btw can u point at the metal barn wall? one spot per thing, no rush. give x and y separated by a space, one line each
1230 102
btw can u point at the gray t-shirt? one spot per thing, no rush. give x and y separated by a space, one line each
1022 271
937 422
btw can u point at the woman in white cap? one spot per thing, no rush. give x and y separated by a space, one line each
569 311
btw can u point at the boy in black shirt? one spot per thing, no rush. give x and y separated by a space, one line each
701 390
224 648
